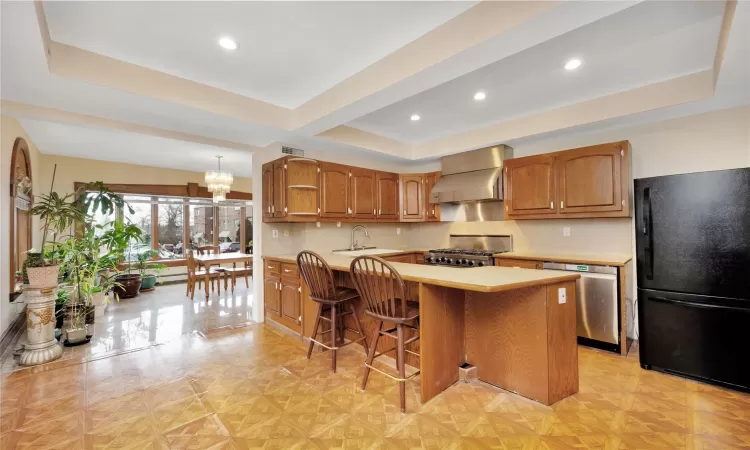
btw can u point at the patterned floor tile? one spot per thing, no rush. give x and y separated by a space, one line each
206 432
179 413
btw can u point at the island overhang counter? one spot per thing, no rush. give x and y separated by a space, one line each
517 326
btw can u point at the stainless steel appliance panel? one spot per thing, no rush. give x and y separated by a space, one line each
597 303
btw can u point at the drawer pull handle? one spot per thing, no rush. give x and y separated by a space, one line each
270 267
287 270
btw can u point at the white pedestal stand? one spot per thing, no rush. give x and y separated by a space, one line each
41 345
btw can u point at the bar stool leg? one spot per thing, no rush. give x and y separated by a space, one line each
401 363
315 330
334 337
358 324
371 353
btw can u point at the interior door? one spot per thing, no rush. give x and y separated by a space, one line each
268 190
412 197
271 295
363 193
589 179
279 188
334 190
530 185
387 195
290 301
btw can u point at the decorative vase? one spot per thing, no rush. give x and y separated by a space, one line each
131 284
32 259
43 277
41 345
148 282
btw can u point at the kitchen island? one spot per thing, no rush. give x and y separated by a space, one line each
517 326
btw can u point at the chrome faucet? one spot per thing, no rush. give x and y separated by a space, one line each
354 245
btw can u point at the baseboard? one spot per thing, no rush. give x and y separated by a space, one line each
16 327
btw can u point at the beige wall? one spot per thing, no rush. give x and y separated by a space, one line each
10 129
71 170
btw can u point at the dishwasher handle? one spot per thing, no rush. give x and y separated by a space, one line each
579 268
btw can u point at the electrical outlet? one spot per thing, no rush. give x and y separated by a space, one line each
398 230
566 231
561 295
338 224
275 234
286 233
317 224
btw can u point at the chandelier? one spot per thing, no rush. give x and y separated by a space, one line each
218 182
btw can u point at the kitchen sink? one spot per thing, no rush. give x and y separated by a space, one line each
367 251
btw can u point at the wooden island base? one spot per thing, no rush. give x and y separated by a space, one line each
523 340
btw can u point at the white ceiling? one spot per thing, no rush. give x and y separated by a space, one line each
646 43
132 148
289 51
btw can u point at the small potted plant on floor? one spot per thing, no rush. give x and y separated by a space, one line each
123 240
149 269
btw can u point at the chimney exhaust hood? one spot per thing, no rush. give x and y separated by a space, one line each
472 176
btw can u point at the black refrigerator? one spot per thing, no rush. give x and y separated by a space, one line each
693 266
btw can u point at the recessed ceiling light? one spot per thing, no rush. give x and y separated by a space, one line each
415 117
573 64
480 95
228 43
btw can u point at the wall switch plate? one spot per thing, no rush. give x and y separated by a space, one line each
317 224
561 295
286 233
566 231
275 233
398 230
338 224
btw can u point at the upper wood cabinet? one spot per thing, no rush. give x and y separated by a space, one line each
579 183
302 184
363 192
432 210
387 195
334 190
530 185
279 188
267 199
412 197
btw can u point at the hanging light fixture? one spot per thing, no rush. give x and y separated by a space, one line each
219 182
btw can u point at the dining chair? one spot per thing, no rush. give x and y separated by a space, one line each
382 289
246 271
333 302
197 276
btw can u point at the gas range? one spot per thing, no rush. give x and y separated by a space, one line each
469 251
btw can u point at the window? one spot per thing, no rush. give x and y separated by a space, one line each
171 213
229 229
201 223
141 217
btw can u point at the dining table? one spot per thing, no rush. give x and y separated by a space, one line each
217 259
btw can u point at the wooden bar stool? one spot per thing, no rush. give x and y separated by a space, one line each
382 289
332 302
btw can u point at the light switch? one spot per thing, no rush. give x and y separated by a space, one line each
561 296
275 234
338 224
317 224
566 231
398 230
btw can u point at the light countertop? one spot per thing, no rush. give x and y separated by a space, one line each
602 259
480 279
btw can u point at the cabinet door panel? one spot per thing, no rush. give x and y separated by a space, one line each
334 190
530 185
268 190
271 295
387 195
522 263
363 193
279 189
412 197
302 187
432 210
290 301
590 179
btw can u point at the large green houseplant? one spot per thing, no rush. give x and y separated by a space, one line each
148 268
123 241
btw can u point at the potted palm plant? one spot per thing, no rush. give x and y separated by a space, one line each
123 240
149 269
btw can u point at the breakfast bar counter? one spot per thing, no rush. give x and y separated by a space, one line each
516 326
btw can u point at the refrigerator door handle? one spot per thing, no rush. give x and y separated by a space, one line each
648 232
695 304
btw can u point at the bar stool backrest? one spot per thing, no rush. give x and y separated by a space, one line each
317 274
380 285
208 250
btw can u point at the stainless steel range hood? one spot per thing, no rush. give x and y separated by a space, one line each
471 176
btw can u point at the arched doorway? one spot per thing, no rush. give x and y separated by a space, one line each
20 202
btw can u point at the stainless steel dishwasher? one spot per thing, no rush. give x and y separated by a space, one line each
597 308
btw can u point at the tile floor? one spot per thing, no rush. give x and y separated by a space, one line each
252 387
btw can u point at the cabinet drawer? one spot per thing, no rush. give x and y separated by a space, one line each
272 267
289 270
409 258
522 263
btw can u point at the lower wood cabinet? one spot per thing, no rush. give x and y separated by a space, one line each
283 294
272 295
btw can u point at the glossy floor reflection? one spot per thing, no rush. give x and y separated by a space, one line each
155 317
253 388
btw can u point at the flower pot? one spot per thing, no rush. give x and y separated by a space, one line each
43 277
148 282
131 285
76 336
100 304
